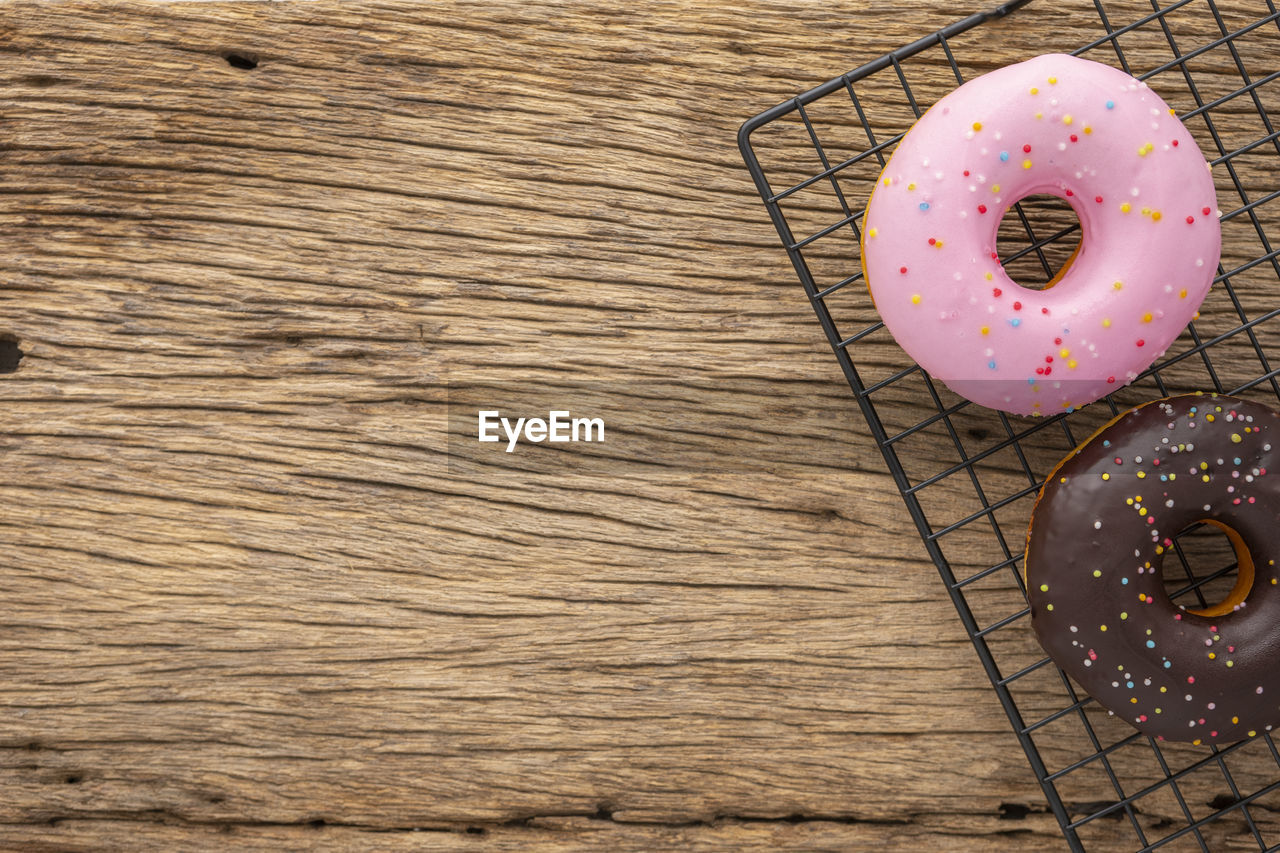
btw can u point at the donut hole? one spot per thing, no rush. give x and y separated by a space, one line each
1210 571
1037 238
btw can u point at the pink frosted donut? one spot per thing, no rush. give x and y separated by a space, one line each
1150 241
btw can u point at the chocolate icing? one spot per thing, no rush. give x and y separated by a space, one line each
1100 531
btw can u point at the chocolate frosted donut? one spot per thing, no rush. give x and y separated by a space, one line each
1099 533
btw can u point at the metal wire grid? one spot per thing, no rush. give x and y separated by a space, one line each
1225 349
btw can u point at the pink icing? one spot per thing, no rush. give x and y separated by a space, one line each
1068 127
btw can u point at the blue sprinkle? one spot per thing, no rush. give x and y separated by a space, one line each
1164 478
991 364
1236 460
1070 409
1106 443
1167 664
1015 322
1129 684
1031 382
1124 581
1004 156
1111 105
924 205
1151 644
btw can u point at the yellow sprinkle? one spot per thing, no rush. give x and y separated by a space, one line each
1209 418
1129 501
1072 364
1204 466
911 186
1034 90
1026 164
1235 438
1252 733
1106 476
1133 700
1164 689
1053 80
1205 478
1064 352
873 232
1146 211
1066 119
1235 720
1155 216
1039 115
1142 475
1158 711
1044 587
1097 573
1102 627
986 330
915 299
1231 663
1195 742
1037 405
995 188
938 245
988 276
1123 616
1212 656
1182 294
1062 479
1124 208
886 182
1118 285
1143 510
1048 607
1146 318
1088 129
1106 324
1173 477
977 125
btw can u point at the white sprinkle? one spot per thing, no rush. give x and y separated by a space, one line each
1097 525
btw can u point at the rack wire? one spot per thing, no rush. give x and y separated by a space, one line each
969 475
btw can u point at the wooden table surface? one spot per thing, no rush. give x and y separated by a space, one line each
254 597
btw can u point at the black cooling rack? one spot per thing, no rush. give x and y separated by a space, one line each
969 475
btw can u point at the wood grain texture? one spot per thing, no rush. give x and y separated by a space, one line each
246 598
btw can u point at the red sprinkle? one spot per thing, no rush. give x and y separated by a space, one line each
1040 370
1206 211
966 173
1075 138
1141 342
995 291
1175 143
1098 199
1026 149
1044 310
1070 193
1191 679
1017 306
1048 359
1048 370
1191 220
982 208
1111 380
1057 342
933 241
